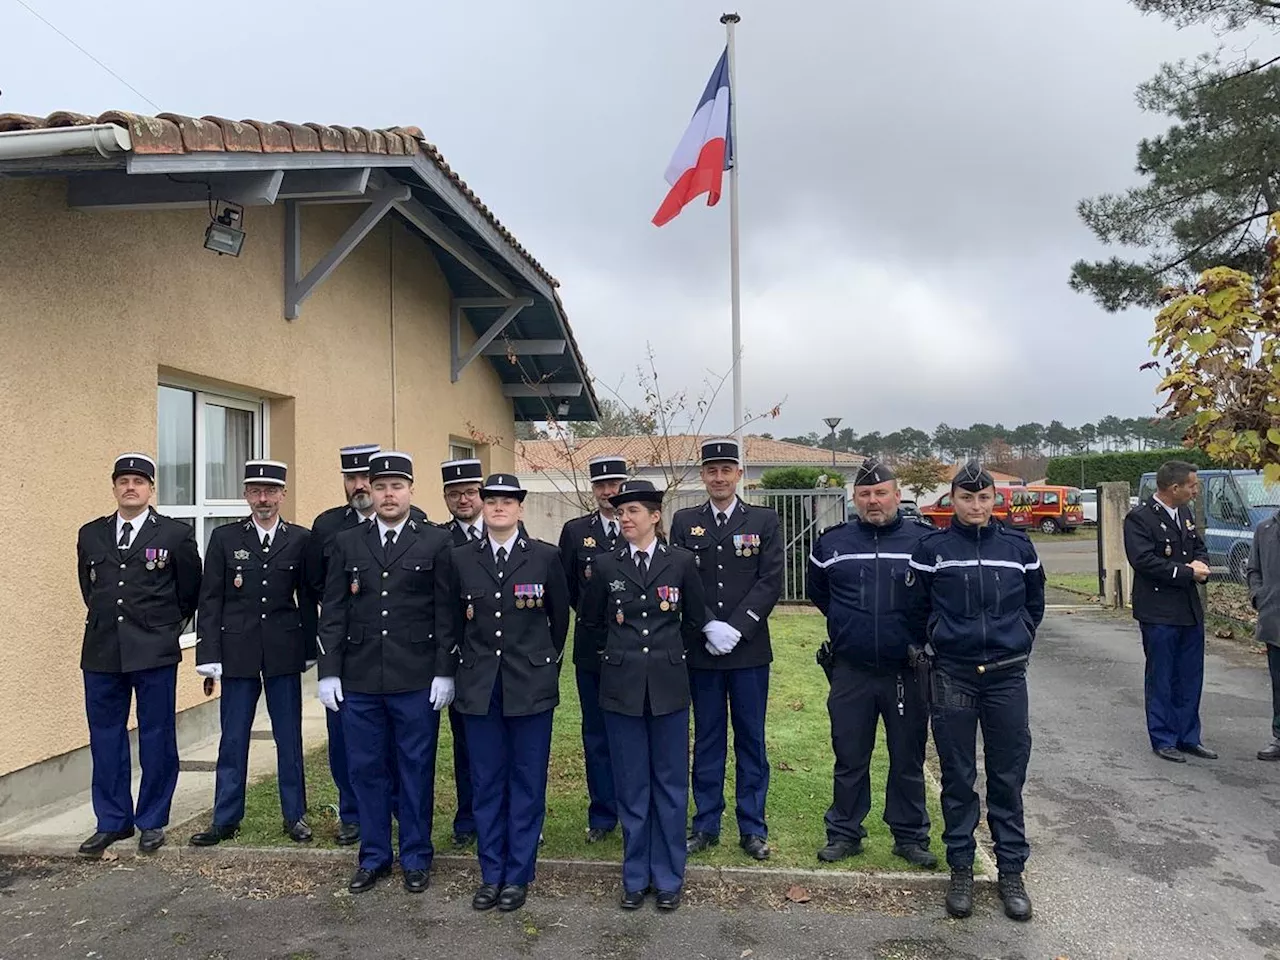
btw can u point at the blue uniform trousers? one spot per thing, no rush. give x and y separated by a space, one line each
602 813
106 702
509 757
859 699
464 820
652 788
1174 679
348 809
964 699
237 707
718 694
375 725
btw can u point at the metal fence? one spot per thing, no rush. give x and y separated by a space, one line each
802 515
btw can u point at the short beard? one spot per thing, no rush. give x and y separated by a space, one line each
361 501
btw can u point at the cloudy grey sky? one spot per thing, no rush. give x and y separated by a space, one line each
909 171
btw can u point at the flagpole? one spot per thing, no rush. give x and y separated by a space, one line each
730 20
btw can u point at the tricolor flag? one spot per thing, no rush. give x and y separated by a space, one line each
705 151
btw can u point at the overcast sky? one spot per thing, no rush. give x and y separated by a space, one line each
909 172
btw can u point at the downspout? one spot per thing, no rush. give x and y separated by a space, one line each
102 138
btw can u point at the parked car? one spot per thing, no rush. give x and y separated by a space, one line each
1055 509
940 513
910 508
1089 505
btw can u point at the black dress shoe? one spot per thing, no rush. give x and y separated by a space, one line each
464 839
486 897
916 855
298 832
512 897
699 841
94 846
1271 751
754 847
416 881
837 850
632 899
1199 750
1017 905
348 833
215 835
151 840
1172 754
596 834
960 892
364 880
667 899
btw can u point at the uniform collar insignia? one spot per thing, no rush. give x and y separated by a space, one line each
523 544
662 548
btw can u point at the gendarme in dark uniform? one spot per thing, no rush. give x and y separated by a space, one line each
256 631
511 614
139 576
354 461
740 561
1162 543
582 541
386 652
646 597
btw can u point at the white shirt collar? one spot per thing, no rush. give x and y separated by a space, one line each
1172 511
605 521
727 511
466 526
508 544
135 524
269 531
383 528
652 548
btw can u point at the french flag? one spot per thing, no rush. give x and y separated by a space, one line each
705 151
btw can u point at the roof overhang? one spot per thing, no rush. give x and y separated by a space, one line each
512 307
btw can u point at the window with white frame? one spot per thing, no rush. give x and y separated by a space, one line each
461 451
204 440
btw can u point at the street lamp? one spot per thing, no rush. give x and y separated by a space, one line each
832 423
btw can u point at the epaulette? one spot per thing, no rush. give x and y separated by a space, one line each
1014 532
835 526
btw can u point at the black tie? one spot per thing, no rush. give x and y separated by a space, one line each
125 531
613 531
642 563
389 542
266 542
721 518
502 562
475 534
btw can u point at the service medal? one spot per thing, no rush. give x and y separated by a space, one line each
519 603
355 584
151 564
746 551
664 605
538 590
471 611
238 581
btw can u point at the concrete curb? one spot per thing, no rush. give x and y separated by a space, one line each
551 869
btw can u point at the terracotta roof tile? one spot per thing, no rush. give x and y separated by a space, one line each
646 451
174 133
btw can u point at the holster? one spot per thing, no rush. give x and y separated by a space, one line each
921 660
826 658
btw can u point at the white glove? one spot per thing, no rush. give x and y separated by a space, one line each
329 690
211 670
441 692
722 637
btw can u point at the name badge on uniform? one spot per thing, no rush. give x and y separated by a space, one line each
588 541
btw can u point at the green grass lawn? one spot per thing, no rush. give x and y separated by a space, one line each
799 743
1086 583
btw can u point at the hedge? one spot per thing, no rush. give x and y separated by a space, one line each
798 478
1088 470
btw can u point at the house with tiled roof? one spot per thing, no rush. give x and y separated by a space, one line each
561 465
210 290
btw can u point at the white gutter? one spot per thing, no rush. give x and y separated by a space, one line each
104 138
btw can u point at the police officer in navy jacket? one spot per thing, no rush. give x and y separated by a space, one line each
1169 561
386 653
582 541
857 578
739 556
647 599
978 596
256 630
140 579
510 606
357 510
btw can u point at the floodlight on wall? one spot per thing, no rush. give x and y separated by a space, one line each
563 409
223 235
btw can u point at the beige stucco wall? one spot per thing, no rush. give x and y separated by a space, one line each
96 307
